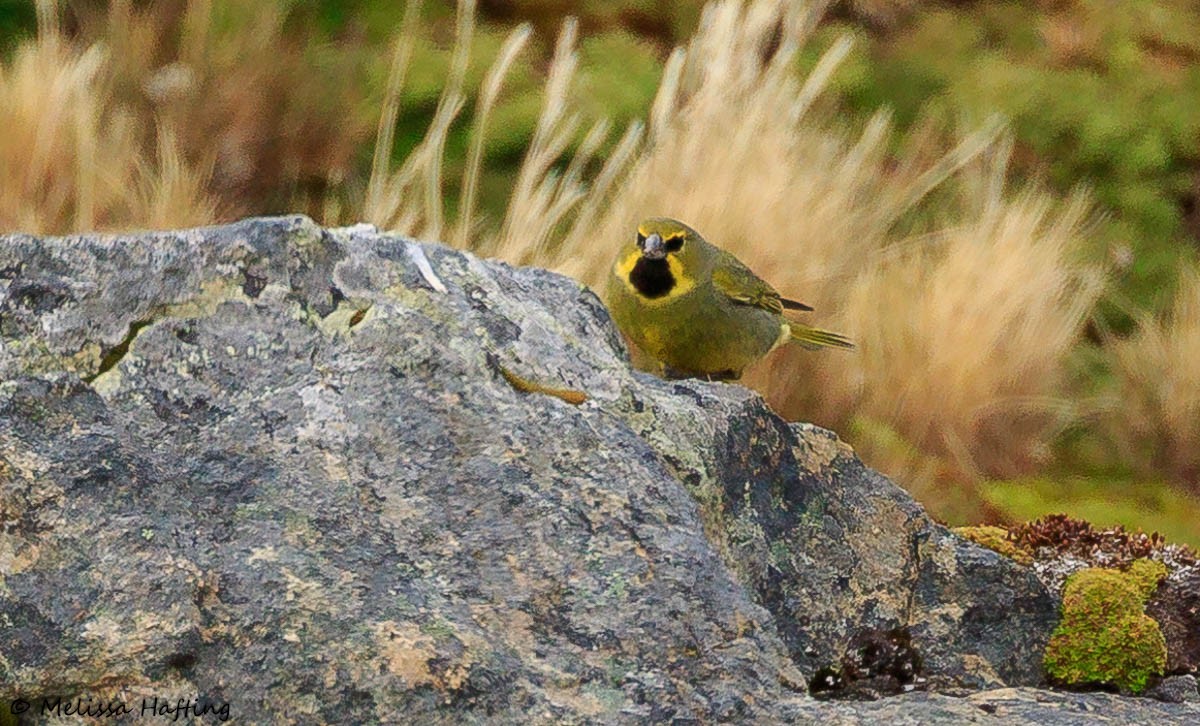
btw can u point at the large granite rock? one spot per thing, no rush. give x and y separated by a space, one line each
309 473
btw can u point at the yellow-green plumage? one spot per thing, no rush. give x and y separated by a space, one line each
696 308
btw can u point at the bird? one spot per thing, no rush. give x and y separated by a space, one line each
696 308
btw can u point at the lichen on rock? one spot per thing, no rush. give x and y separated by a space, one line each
1105 637
996 539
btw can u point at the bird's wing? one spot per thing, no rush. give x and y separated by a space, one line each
741 285
795 305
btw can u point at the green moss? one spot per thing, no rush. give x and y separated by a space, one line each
995 539
1105 637
1147 574
438 628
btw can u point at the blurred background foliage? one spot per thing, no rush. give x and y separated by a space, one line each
169 112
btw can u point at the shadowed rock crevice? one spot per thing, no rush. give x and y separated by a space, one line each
306 475
114 355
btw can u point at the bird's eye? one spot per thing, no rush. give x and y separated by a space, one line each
641 240
674 244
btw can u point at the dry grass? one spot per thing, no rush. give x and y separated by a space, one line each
965 341
72 157
552 188
277 116
1155 420
173 114
411 198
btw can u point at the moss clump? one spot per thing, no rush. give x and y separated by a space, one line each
1105 636
996 539
1147 574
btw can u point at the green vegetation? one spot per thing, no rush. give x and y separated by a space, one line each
1105 637
17 18
1131 503
1023 348
1098 93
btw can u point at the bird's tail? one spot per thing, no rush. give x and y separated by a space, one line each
813 338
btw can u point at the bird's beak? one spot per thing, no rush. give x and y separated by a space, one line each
654 249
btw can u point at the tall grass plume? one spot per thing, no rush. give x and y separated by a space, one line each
1155 417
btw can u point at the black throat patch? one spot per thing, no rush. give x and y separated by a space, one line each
652 278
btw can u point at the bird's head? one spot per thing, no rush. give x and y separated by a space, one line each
668 258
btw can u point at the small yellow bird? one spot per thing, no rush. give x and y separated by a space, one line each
696 309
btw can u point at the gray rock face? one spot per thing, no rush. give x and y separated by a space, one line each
1175 689
300 471
1176 607
1007 706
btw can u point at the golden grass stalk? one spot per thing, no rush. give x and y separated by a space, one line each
411 198
252 120
1155 421
551 183
594 202
47 18
48 108
383 190
535 204
449 106
492 84
171 192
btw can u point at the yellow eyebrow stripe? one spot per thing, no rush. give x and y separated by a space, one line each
666 238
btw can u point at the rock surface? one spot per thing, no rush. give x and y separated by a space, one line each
289 469
1007 706
1175 689
1176 607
